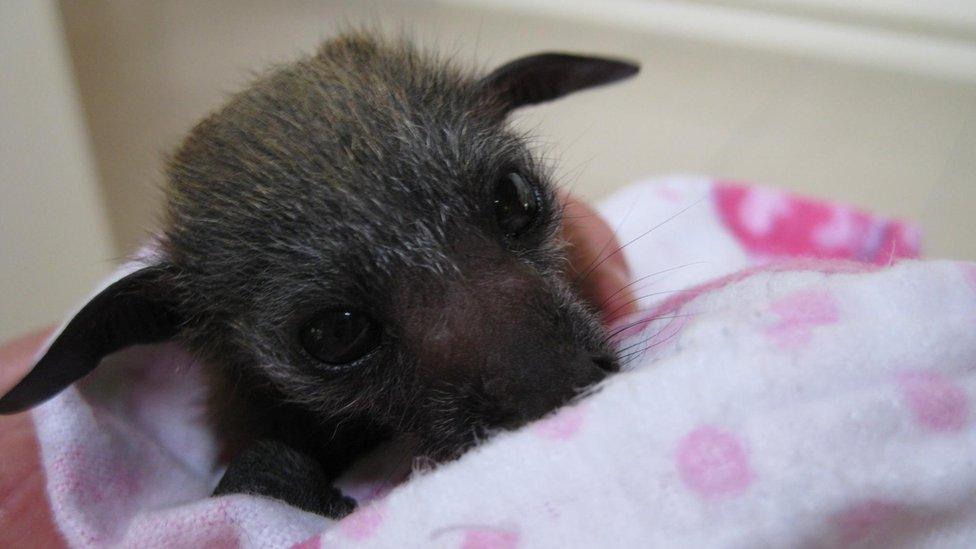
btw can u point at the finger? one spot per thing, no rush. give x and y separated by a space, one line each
25 516
603 274
16 357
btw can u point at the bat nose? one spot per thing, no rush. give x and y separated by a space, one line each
588 369
522 399
606 362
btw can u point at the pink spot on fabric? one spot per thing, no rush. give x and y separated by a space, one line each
773 225
362 523
489 539
562 425
837 231
799 314
760 208
713 463
864 519
314 542
936 402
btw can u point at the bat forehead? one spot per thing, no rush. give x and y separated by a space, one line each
332 212
332 146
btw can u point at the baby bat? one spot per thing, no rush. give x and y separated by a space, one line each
357 247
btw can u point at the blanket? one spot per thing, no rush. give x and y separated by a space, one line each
794 379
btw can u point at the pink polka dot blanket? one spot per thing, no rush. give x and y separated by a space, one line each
794 379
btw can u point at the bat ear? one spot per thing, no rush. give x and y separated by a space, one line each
135 309
547 76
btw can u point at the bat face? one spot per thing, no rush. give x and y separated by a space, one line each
359 235
373 242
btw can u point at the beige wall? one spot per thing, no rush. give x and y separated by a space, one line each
894 140
882 116
54 240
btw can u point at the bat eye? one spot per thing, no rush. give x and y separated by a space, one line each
516 204
339 336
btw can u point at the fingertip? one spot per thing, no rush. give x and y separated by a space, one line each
17 355
597 257
620 300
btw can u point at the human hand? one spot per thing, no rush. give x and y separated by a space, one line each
25 514
596 263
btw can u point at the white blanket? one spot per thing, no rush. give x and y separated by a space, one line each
767 402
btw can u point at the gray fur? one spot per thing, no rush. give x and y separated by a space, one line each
362 176
358 175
